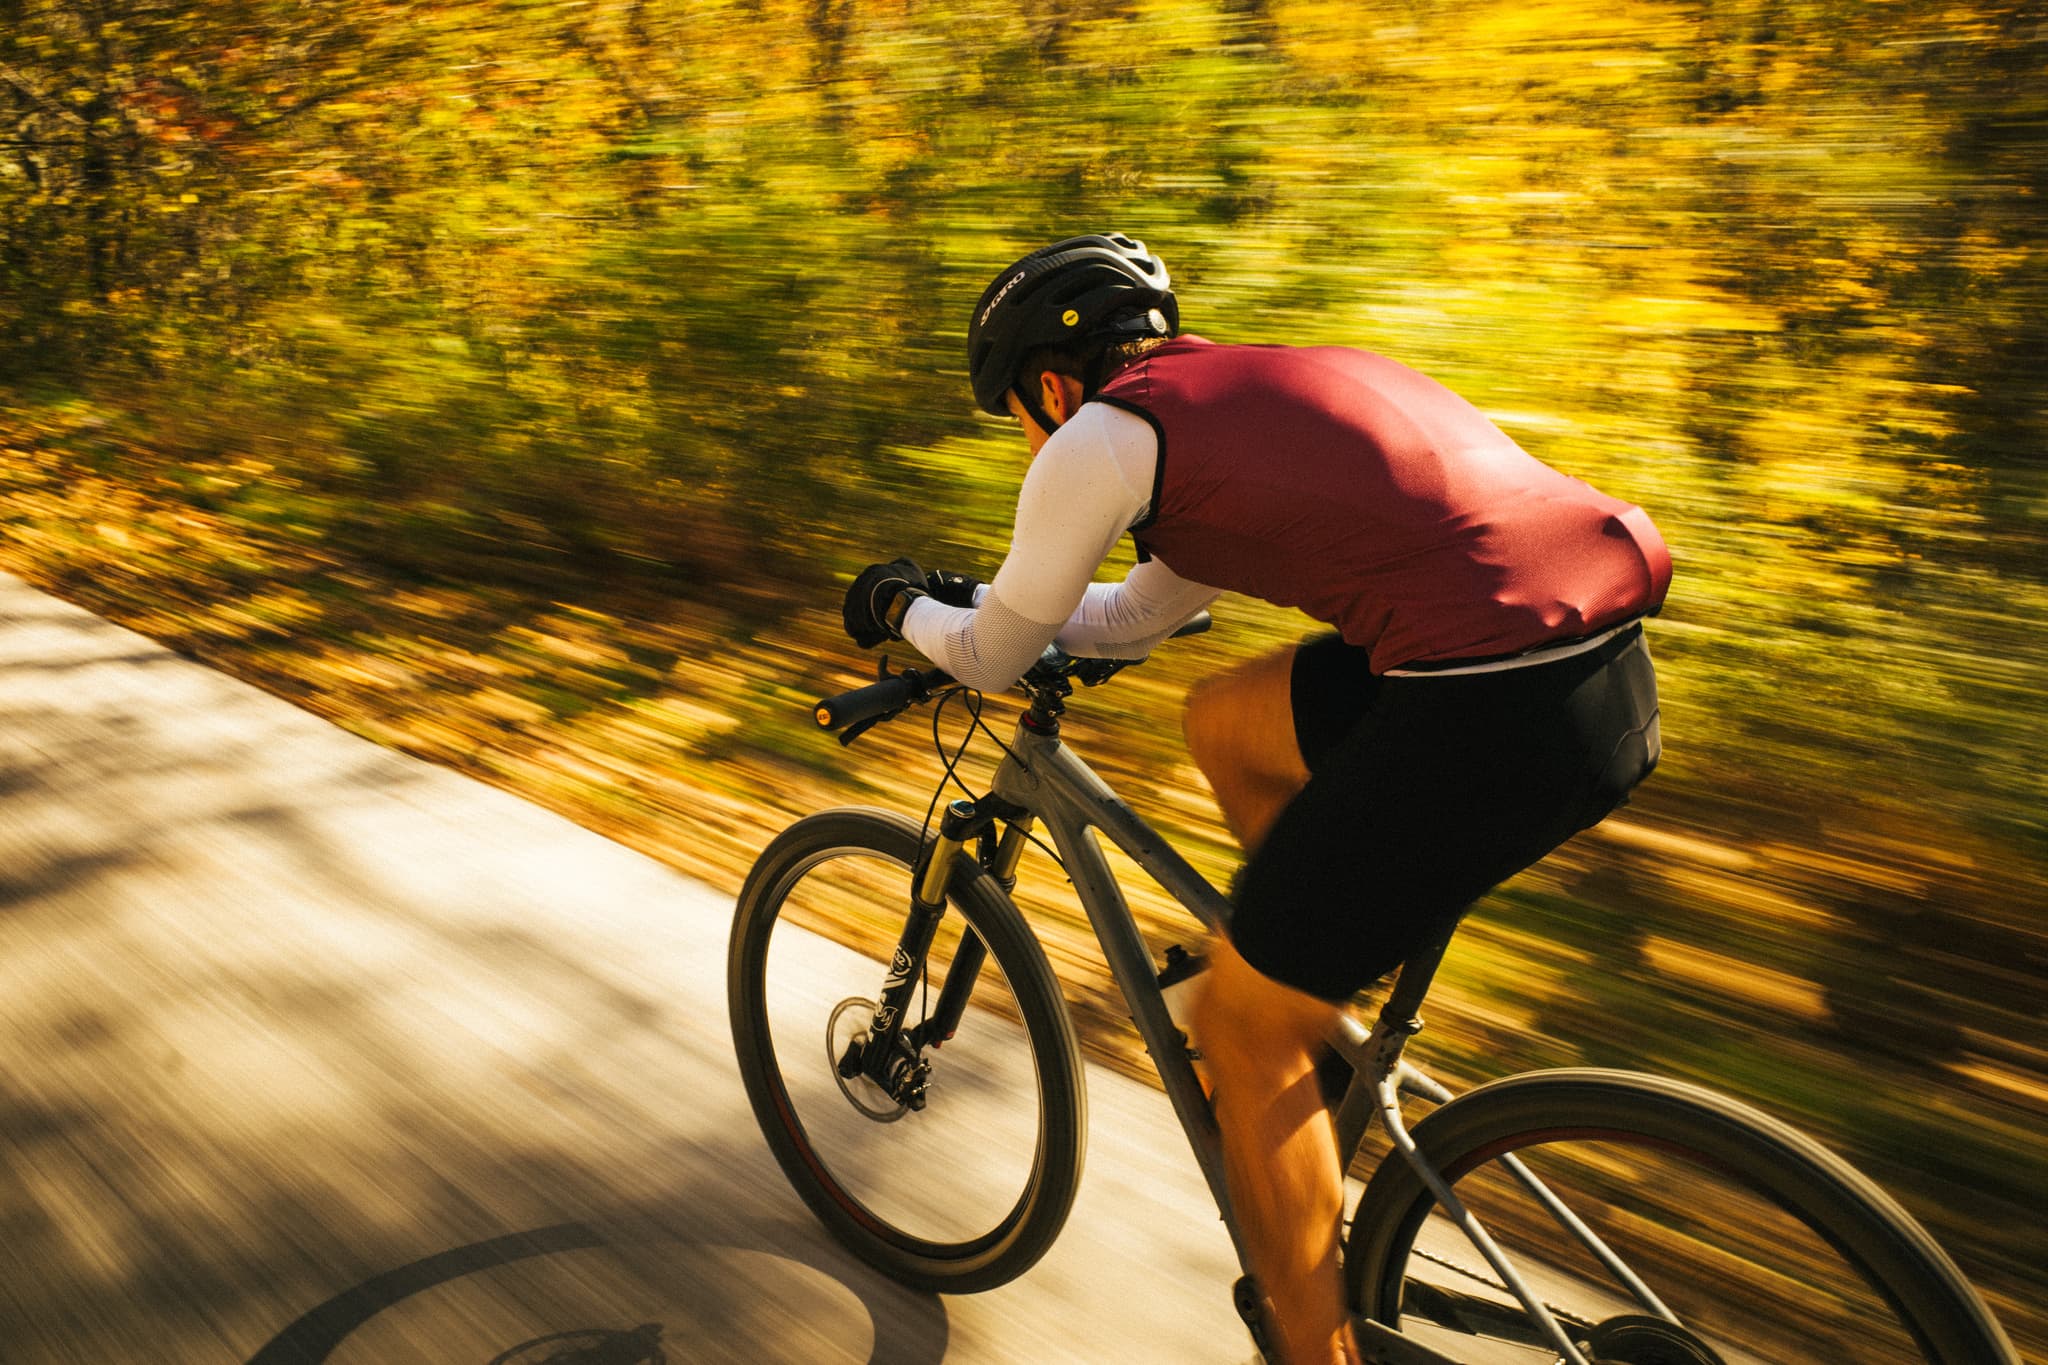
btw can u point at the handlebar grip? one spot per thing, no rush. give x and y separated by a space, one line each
866 703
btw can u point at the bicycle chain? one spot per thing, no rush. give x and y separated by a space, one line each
1563 1315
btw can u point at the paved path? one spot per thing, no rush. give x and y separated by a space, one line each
310 1051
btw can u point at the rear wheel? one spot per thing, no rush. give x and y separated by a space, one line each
957 1173
1760 1245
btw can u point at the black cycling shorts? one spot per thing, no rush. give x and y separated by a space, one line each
1426 792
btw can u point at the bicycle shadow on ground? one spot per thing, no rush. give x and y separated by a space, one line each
625 1293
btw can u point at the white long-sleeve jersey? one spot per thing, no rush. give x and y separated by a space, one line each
1091 481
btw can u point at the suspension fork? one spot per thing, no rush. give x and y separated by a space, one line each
963 820
1000 857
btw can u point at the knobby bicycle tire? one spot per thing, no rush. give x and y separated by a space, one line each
1019 1238
1895 1256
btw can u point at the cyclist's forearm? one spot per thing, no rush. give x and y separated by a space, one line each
1086 486
987 647
1126 620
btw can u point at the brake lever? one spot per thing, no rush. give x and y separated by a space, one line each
861 727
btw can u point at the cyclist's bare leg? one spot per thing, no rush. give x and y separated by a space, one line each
1261 1039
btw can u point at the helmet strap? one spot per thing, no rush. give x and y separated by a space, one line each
1031 405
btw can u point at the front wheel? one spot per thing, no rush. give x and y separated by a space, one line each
1757 1244
955 1172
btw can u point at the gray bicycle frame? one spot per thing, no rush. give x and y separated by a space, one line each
1043 776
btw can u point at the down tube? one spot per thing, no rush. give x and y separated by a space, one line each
1089 802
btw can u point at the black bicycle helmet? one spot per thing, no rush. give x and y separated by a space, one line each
1073 295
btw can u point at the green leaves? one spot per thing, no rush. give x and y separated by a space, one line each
1770 269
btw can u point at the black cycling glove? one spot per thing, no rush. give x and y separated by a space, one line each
954 589
872 614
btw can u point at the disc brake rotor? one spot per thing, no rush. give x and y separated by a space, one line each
847 1028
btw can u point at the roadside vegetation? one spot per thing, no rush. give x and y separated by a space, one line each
517 384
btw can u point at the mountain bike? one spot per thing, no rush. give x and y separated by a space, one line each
1587 1216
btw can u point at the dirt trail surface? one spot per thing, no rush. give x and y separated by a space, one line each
311 1051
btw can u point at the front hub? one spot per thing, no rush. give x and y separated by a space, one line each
847 1034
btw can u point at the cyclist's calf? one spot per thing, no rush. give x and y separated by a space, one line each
1259 1040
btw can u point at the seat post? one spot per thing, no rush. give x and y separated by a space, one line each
1412 984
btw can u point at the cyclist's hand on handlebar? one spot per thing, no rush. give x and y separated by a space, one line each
954 589
875 604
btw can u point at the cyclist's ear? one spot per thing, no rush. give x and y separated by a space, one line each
1059 394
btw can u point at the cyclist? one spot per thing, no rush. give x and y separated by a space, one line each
1484 693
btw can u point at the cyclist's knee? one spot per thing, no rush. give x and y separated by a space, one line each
1241 723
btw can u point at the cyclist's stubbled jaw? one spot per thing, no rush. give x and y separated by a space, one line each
1034 435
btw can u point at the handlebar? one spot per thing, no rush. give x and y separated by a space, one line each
854 713
879 699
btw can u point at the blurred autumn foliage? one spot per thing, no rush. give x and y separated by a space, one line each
381 330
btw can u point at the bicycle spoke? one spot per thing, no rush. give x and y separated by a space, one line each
916 1076
1757 1246
1744 1282
948 1170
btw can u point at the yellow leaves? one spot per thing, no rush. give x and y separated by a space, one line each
285 605
1476 255
673 723
1338 37
1705 313
1559 44
585 648
504 707
1740 981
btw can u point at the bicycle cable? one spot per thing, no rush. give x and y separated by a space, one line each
951 766
1008 752
951 772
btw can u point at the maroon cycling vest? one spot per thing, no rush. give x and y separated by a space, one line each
1375 499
